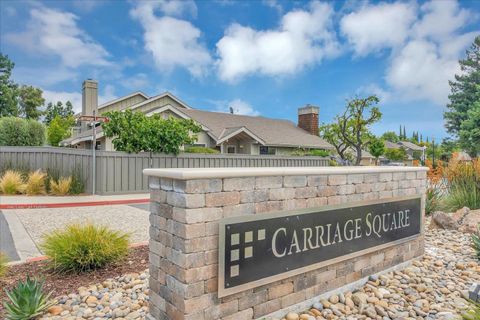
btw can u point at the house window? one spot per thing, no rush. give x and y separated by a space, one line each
267 150
231 149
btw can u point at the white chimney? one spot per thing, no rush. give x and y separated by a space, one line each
89 97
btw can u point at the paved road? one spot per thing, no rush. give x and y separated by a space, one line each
7 245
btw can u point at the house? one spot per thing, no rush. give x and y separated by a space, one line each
226 132
413 151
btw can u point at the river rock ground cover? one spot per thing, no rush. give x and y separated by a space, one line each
433 287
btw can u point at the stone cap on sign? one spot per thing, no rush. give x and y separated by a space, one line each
207 173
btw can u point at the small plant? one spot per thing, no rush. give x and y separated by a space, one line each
27 300
81 248
11 182
200 150
35 183
476 242
433 198
78 184
473 313
318 153
61 187
3 264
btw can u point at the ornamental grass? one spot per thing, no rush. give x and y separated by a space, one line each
11 182
35 183
61 186
86 247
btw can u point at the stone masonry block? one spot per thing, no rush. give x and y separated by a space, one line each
294 181
346 189
198 303
266 308
166 184
238 210
281 193
355 178
381 186
292 298
220 199
337 179
294 204
253 299
337 200
268 206
385 177
371 178
238 184
410 175
198 186
197 215
316 202
268 182
158 196
221 310
396 176
185 200
154 183
186 231
246 314
305 192
326 191
315 181
280 290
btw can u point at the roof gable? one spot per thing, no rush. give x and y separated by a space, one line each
137 93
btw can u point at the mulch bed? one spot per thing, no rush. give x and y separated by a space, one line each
61 284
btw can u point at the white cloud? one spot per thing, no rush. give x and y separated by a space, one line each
55 32
171 41
137 81
374 89
374 27
74 97
304 38
177 8
274 5
43 76
238 106
424 51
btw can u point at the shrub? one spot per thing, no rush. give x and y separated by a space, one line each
27 300
463 182
78 184
12 182
476 242
396 154
21 132
35 183
60 187
473 313
200 150
318 153
433 198
87 247
3 264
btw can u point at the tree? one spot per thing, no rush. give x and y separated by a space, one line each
390 136
354 124
59 129
331 133
58 109
396 154
8 89
21 132
376 148
30 100
469 133
464 90
135 132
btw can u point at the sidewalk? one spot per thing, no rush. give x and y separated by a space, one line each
26 202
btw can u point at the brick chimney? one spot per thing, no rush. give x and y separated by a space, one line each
308 119
89 97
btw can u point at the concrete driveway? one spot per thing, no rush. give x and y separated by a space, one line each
21 230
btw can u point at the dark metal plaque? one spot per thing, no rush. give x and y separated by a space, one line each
259 249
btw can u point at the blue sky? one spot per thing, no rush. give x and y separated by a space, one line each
260 57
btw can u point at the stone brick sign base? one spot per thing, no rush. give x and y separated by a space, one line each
187 204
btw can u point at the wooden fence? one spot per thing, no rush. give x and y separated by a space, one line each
119 172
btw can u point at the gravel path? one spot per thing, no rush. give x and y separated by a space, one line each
431 288
119 217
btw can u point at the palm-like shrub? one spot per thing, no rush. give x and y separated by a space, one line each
11 182
473 313
476 242
61 187
35 183
3 264
433 198
27 300
81 248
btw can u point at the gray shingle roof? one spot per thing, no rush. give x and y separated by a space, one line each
273 132
412 146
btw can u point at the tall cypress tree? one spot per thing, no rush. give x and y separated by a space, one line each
465 89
